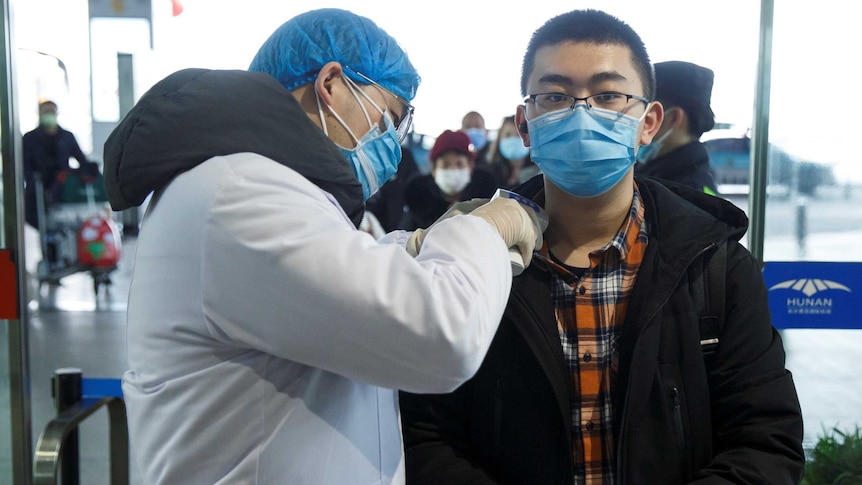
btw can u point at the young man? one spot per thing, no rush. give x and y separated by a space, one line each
259 316
609 365
676 154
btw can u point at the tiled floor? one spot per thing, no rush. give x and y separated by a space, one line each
71 326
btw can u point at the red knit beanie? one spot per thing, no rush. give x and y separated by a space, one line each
449 140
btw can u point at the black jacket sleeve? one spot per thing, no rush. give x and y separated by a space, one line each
435 439
757 421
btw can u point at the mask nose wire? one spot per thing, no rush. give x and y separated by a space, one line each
581 102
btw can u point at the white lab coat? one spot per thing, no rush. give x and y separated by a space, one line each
267 336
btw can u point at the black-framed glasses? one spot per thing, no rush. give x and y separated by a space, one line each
619 102
403 125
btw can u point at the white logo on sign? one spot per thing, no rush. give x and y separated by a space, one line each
810 286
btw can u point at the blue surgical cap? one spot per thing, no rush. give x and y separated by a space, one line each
296 51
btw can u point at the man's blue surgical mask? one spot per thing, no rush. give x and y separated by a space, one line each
584 151
376 156
512 148
478 137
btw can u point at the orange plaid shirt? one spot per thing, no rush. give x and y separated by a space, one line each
590 308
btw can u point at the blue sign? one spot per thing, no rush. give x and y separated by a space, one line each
806 294
101 387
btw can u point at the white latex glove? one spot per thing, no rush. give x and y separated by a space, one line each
414 243
517 225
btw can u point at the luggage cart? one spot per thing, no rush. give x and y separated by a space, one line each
66 233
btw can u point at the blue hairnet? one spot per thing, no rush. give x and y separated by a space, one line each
296 51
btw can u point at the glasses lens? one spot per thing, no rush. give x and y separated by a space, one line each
406 120
546 103
404 126
614 101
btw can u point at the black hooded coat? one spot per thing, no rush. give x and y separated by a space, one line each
196 114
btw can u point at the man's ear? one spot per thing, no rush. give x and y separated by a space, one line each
521 124
651 123
325 83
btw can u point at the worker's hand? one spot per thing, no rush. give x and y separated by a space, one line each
517 225
414 243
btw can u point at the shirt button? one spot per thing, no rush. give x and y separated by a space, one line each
589 426
588 357
582 290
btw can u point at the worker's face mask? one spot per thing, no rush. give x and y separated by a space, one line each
584 151
376 155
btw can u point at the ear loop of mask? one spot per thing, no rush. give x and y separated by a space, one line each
353 89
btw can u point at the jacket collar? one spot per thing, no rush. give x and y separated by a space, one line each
684 223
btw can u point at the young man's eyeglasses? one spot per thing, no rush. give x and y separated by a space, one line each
402 126
547 102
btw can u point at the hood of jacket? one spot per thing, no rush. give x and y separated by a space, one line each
197 114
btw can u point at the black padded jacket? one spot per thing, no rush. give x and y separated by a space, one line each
679 416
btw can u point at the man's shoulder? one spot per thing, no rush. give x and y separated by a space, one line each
681 216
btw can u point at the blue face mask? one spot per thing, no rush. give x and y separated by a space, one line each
477 136
651 151
584 151
376 156
512 148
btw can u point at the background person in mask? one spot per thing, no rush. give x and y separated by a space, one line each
46 151
676 154
473 124
258 313
618 360
453 178
508 158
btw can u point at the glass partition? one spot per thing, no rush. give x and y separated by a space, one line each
812 213
15 441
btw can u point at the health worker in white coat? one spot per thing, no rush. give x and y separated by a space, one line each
267 336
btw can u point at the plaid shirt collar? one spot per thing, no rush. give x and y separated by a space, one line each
622 241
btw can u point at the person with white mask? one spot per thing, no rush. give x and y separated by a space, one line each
454 177
258 313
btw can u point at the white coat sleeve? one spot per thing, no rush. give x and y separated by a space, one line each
284 272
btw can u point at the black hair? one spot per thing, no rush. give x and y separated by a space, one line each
590 26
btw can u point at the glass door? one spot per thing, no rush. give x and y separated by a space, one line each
813 222
15 433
